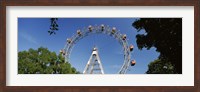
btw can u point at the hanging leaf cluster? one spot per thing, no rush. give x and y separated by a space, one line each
54 26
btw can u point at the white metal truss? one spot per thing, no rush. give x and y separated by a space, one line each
94 65
103 29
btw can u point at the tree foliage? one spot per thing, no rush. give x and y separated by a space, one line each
165 34
42 61
54 26
160 67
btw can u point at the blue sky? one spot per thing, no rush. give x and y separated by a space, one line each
32 33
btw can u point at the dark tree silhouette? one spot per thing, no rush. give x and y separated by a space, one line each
165 34
53 26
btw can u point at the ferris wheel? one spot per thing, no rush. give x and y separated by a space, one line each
101 29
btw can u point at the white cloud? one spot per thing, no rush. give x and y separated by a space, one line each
28 37
116 66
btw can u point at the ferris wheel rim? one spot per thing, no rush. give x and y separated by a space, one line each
104 29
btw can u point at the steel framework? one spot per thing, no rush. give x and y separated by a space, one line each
94 65
100 29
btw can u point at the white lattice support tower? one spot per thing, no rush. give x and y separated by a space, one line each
94 65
